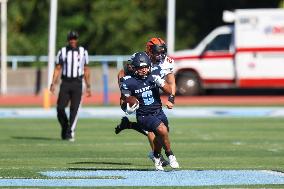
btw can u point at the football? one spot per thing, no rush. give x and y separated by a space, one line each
131 100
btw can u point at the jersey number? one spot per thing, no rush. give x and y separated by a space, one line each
148 97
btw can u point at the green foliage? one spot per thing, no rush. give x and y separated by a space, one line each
115 26
105 27
28 27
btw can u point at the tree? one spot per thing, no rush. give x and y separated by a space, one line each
105 27
115 26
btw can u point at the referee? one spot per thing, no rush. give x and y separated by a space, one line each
72 64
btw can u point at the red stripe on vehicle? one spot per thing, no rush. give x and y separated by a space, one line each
206 56
260 49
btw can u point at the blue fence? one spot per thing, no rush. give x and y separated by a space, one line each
118 59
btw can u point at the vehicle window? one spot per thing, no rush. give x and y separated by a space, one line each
220 43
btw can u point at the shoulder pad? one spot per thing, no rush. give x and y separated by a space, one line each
168 64
126 77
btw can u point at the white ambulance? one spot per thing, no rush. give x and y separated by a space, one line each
247 54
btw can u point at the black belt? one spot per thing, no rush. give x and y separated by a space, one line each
64 78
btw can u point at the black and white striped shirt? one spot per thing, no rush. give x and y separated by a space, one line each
72 61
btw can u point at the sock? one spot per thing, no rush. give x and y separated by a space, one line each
169 153
156 154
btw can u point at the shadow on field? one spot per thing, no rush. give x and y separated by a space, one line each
32 138
103 169
99 162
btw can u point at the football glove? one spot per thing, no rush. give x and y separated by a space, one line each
132 109
159 81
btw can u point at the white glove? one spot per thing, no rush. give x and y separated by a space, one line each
132 109
159 81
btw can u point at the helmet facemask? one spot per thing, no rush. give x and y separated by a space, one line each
158 53
141 65
142 71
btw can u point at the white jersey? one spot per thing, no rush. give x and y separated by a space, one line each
165 67
73 61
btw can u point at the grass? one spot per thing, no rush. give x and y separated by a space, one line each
29 146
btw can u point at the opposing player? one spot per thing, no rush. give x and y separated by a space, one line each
150 116
162 65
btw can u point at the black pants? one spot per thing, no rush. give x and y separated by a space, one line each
70 90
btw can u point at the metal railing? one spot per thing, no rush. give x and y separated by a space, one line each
16 59
104 60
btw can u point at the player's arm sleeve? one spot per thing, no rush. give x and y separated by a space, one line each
59 59
169 67
86 57
124 88
125 92
172 65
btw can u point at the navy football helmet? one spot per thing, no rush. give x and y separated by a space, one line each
141 64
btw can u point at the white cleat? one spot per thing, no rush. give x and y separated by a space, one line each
158 164
173 162
72 138
163 161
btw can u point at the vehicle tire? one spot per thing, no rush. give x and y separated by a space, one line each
188 84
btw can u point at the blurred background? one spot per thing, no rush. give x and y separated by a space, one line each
114 29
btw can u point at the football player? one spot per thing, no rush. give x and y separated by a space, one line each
162 65
145 86
156 49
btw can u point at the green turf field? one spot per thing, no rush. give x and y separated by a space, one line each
28 146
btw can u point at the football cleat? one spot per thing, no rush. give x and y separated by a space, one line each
158 164
164 162
124 124
63 134
173 162
70 137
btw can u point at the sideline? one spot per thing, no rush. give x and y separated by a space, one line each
150 178
177 112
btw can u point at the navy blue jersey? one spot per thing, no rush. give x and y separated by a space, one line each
145 90
157 70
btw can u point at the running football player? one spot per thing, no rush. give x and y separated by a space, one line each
162 65
145 86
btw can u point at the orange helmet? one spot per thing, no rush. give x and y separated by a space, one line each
156 49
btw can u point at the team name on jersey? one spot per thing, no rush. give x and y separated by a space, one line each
143 89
